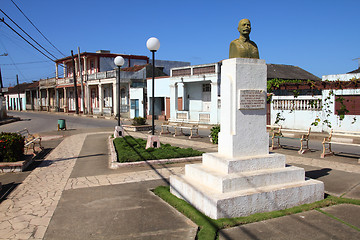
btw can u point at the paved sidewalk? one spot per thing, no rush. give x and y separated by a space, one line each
27 211
58 200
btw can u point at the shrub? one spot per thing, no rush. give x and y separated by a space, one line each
214 134
11 147
138 121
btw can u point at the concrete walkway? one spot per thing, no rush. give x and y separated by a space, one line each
72 194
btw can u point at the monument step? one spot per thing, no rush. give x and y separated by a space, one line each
224 183
243 164
246 202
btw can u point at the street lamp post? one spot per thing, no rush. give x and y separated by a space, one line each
153 44
119 61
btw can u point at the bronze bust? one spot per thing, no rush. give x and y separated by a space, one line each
243 47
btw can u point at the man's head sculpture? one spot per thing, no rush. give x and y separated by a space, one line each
243 47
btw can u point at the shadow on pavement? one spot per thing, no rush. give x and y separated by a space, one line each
314 174
6 190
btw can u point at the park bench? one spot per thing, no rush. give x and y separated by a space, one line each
328 141
279 134
179 127
166 126
31 140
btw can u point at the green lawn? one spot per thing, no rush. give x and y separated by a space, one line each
131 149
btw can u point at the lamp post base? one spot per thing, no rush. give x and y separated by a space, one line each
119 131
152 142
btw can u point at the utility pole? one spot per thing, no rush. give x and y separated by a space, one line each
18 90
1 84
75 87
81 80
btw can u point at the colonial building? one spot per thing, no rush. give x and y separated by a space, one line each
195 90
15 98
95 78
96 84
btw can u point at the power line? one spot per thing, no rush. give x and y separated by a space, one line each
9 64
2 20
12 59
27 34
36 28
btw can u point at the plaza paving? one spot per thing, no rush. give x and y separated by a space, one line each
73 194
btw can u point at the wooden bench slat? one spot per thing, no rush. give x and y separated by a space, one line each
178 128
30 140
304 140
327 141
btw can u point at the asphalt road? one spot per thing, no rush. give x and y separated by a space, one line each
37 122
40 122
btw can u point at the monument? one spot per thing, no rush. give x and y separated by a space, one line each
243 178
243 47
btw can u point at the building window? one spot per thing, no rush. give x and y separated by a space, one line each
207 87
92 66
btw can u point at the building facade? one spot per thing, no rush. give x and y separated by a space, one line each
325 105
96 84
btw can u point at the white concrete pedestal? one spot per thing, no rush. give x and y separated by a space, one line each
119 131
152 142
243 178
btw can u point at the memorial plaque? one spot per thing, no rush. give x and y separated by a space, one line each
252 99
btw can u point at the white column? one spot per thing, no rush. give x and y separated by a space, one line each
214 103
56 71
65 101
77 72
115 97
47 99
88 98
101 99
243 131
184 105
173 100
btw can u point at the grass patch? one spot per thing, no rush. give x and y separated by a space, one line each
131 149
209 227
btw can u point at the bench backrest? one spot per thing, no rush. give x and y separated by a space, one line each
24 132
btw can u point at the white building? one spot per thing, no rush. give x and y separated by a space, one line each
195 93
15 97
162 98
324 110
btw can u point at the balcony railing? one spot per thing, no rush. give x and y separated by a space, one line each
102 75
47 82
65 81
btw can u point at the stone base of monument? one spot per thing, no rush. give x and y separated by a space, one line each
226 188
242 178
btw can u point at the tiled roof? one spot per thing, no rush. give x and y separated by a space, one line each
289 72
158 72
19 88
355 71
133 69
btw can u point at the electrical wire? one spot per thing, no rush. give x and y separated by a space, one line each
10 64
27 34
2 20
36 28
12 60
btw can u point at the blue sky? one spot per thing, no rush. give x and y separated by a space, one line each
319 36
